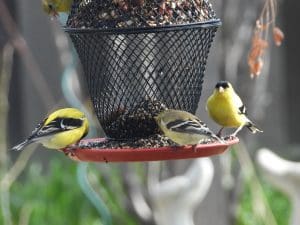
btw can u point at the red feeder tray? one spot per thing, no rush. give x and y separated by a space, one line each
148 154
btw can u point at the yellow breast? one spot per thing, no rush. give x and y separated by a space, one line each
63 139
223 111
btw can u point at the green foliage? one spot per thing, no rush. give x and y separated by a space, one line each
113 193
278 202
55 197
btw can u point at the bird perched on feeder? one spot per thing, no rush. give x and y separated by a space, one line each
53 7
183 127
226 108
60 129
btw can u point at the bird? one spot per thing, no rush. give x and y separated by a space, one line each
183 128
226 108
60 129
53 7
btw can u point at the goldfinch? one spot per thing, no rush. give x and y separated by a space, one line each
226 108
59 130
183 127
53 7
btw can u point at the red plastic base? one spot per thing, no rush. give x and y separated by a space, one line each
148 154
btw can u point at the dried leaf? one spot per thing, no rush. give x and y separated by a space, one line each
258 47
255 67
278 36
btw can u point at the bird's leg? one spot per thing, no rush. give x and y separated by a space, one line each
194 148
69 150
219 139
220 132
175 147
237 130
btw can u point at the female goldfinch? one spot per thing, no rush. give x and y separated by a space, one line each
183 127
226 108
53 7
59 130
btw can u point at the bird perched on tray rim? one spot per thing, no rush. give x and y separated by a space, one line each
60 129
226 108
183 127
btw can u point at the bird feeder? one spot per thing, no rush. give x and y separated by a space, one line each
129 154
139 58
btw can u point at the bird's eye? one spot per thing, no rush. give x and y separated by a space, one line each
225 85
50 6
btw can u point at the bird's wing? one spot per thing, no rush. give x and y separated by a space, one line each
239 104
188 126
55 126
38 127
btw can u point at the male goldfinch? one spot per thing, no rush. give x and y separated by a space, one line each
53 7
59 130
226 108
183 127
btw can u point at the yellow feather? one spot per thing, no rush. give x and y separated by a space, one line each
183 138
226 108
52 7
223 109
63 139
60 138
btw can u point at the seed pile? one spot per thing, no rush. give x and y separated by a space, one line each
154 141
137 13
137 122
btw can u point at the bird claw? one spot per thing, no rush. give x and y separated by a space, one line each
70 150
195 148
231 136
175 147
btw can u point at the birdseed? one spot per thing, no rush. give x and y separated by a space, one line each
137 13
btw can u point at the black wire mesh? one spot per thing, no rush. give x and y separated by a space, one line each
133 74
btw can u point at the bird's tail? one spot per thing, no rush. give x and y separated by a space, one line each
253 128
21 145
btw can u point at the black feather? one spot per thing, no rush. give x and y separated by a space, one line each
243 110
223 84
55 126
190 126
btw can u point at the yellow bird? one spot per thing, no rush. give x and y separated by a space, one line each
183 127
226 108
60 129
53 7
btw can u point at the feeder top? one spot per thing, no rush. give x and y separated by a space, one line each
108 14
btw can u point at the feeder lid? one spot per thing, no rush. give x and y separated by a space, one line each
147 154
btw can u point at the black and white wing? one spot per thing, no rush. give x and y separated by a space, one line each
189 126
55 126
239 105
193 126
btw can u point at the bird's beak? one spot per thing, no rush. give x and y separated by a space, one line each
221 89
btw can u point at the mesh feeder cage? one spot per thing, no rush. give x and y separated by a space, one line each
139 58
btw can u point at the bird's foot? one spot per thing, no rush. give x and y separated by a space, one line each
233 135
70 150
195 148
175 147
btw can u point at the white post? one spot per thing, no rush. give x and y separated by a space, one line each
174 200
283 174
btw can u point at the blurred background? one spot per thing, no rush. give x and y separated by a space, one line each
39 72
